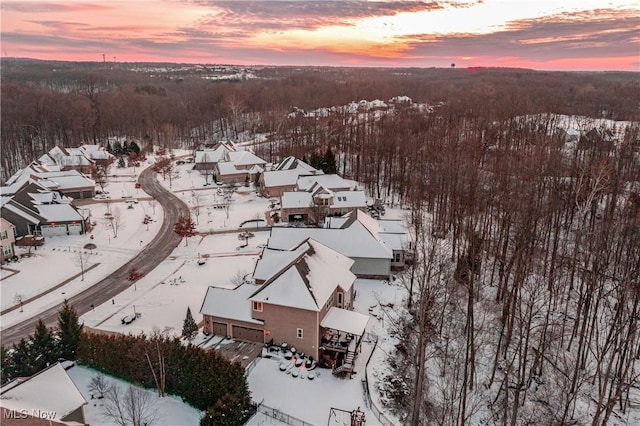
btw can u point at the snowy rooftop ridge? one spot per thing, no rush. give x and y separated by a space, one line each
50 390
309 279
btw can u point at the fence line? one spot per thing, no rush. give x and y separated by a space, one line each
382 418
281 416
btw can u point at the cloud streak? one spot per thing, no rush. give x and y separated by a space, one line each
386 33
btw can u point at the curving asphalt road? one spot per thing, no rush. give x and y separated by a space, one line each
148 259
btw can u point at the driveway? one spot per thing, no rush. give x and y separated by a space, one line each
148 259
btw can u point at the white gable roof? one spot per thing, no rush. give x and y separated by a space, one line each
51 390
280 178
272 261
230 303
308 281
295 199
58 213
344 320
228 168
244 158
355 241
349 199
333 182
292 163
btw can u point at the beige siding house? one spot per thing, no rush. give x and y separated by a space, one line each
295 291
7 240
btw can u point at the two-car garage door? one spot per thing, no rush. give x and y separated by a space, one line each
53 230
60 230
250 334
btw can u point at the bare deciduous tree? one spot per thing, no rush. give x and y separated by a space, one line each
134 407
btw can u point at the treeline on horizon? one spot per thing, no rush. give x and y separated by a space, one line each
48 103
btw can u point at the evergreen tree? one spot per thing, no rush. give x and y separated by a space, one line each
126 148
121 163
6 366
117 148
21 360
133 147
109 148
43 347
330 166
189 327
69 331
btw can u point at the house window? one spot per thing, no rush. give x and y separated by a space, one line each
397 257
3 235
257 306
330 301
299 333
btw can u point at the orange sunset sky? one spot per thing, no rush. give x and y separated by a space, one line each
539 34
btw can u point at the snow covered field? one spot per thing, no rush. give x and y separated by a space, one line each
169 410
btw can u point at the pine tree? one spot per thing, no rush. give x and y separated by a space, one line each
69 331
189 327
133 147
121 162
329 162
43 347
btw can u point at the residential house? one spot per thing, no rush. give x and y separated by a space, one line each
328 195
297 293
36 210
68 182
284 177
375 248
206 157
7 240
320 202
239 167
68 159
50 392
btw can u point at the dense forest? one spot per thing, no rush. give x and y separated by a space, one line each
522 300
45 103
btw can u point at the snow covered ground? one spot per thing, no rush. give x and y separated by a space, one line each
169 410
161 298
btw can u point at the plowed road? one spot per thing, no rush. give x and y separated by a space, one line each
150 257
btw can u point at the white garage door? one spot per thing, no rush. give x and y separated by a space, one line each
53 230
75 228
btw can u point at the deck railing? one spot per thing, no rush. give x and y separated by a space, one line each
382 418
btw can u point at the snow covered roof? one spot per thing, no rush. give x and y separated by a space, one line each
308 281
58 213
21 211
295 199
292 163
228 168
280 178
355 241
209 155
66 181
244 158
43 197
393 226
344 320
272 261
230 303
333 182
397 242
50 390
349 199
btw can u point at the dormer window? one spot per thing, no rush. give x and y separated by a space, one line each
257 306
